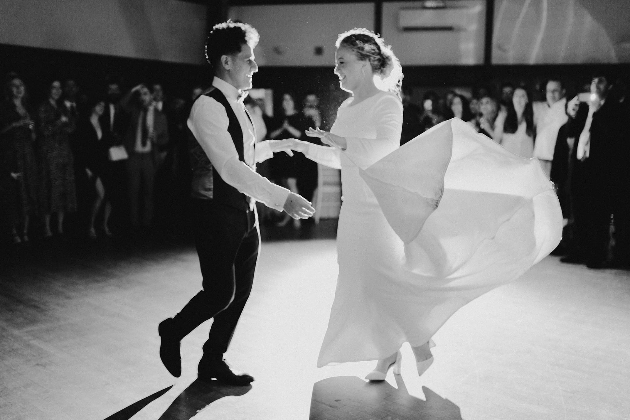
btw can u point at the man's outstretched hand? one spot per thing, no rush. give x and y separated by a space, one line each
298 207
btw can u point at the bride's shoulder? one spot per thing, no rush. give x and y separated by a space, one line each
388 99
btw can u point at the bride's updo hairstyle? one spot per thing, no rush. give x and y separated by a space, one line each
369 46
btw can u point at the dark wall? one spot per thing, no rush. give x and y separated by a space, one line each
39 66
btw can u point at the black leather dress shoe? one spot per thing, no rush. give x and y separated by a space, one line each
213 367
169 348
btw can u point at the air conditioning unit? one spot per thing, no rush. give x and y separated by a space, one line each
455 16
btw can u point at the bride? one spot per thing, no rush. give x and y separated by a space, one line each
424 228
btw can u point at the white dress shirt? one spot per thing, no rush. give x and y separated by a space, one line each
548 120
112 111
209 123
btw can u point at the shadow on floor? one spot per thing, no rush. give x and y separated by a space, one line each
348 397
130 411
188 404
198 396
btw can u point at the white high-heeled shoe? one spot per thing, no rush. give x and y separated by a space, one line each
382 367
423 365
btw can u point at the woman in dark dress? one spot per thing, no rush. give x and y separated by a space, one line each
93 145
284 169
57 182
430 115
18 160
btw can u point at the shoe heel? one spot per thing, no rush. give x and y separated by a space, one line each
424 365
378 375
398 364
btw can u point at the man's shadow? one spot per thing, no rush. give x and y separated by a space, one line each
348 397
193 399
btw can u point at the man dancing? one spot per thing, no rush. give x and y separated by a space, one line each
224 187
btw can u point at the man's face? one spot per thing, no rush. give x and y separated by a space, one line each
158 93
70 89
242 67
113 92
554 92
311 101
600 87
145 96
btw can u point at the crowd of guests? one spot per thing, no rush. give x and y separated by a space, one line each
109 160
582 142
113 164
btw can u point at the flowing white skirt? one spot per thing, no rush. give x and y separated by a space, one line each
457 216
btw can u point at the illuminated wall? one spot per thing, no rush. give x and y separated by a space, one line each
561 32
165 30
302 34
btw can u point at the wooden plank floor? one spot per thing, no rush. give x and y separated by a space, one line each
78 340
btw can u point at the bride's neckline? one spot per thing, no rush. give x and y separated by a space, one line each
355 103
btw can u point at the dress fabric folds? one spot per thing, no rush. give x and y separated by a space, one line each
425 228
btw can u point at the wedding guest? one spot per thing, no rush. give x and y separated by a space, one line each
57 175
459 107
430 114
147 131
18 158
114 123
93 158
514 126
549 116
284 169
484 123
411 126
603 145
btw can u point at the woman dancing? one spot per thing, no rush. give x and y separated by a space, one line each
405 263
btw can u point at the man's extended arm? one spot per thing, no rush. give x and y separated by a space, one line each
209 122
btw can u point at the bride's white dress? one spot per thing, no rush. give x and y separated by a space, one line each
425 228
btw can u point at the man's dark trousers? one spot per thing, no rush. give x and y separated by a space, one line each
227 242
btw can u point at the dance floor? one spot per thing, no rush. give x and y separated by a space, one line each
78 340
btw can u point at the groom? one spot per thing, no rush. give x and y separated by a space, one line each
224 187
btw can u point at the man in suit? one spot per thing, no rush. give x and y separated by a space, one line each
549 116
602 146
114 125
147 131
113 119
225 186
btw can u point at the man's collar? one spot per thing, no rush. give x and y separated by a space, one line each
228 90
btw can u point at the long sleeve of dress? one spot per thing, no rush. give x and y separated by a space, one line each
327 156
388 121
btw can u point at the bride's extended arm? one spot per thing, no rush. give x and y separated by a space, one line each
327 156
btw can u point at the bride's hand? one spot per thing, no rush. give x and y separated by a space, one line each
328 138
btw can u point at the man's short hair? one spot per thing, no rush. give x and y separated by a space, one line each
228 38
555 79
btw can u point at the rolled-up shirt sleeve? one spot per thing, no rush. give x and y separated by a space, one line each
209 122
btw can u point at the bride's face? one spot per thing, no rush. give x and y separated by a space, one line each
350 70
